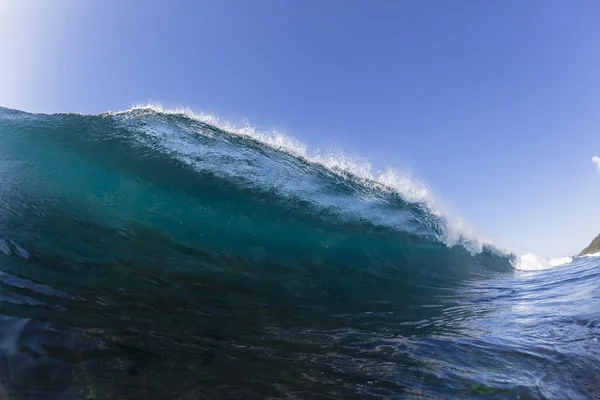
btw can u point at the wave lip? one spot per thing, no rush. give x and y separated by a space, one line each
353 169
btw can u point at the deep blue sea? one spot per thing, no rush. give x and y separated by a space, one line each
152 254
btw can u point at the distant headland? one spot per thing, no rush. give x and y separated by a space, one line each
594 247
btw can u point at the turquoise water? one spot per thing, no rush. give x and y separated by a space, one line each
152 254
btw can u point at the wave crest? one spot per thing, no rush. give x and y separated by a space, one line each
455 230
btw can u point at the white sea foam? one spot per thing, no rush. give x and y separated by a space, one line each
532 262
402 182
590 255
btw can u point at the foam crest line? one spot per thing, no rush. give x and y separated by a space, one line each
401 182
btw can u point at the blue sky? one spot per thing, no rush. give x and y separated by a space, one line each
493 103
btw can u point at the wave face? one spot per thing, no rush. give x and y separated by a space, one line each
157 254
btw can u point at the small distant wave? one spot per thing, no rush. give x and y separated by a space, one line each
532 262
590 255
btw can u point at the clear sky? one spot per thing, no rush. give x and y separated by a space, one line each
495 104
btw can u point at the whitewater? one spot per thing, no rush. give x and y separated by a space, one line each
154 253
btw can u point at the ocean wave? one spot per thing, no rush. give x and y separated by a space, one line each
533 262
590 255
259 182
150 250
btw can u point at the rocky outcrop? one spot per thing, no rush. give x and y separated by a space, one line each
594 247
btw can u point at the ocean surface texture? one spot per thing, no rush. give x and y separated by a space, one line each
153 254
